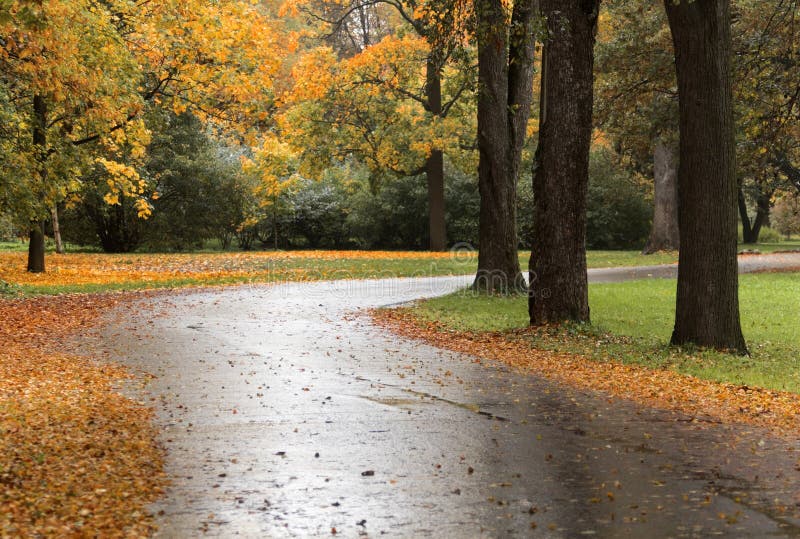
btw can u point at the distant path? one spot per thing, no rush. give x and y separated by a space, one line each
287 415
747 264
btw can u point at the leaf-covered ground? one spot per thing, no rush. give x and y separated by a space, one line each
700 400
91 272
76 457
97 272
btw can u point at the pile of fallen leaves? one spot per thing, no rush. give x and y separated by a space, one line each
698 399
97 268
76 457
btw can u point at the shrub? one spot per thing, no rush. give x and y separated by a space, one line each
769 235
765 235
618 213
786 215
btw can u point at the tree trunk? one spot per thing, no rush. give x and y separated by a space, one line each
743 215
434 167
664 235
505 87
707 307
275 228
57 230
752 230
36 246
559 285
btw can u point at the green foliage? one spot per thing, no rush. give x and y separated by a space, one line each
618 215
320 217
195 184
349 208
462 206
394 217
770 235
201 193
6 228
636 99
9 289
525 210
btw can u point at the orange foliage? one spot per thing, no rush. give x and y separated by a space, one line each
76 457
86 268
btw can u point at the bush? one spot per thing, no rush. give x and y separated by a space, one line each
786 215
765 235
393 218
769 235
618 213
320 214
396 216
462 206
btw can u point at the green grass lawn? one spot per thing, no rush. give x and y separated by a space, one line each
632 322
12 246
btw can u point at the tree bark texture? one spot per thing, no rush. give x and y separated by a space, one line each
665 235
36 245
558 281
707 307
36 248
505 79
434 167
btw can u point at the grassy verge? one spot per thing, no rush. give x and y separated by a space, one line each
785 245
95 272
632 323
88 272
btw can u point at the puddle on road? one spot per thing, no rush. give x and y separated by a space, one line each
406 402
400 403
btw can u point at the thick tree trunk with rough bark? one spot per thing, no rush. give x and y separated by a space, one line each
505 75
36 246
707 308
665 235
434 167
559 286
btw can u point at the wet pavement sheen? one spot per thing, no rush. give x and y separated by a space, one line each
285 413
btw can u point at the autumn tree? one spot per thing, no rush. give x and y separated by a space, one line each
636 105
707 308
431 37
506 44
786 217
86 70
68 83
637 102
442 25
274 166
767 106
368 107
558 279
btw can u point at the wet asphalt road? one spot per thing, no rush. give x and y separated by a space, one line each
287 414
747 264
